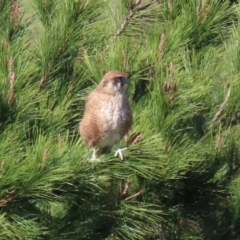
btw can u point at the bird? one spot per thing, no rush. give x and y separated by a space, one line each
107 116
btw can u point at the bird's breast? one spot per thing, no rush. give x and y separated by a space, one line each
114 114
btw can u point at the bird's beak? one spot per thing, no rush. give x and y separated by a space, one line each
127 81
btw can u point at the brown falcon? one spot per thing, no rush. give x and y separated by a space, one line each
107 116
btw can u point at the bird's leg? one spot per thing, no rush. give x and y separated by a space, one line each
119 152
94 156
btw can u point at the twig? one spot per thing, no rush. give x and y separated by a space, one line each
3 164
133 196
130 15
51 65
43 80
133 139
124 23
125 190
171 70
15 10
70 89
147 5
45 153
8 198
219 112
202 11
170 5
161 45
11 97
60 140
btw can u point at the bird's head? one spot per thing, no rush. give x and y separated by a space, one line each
115 81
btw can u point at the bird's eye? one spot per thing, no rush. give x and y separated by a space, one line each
120 79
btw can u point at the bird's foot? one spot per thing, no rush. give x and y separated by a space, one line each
119 152
94 157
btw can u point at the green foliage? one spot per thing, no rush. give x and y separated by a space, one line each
180 178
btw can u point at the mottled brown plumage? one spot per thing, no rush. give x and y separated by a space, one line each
107 115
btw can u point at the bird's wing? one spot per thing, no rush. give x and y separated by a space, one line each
91 126
127 117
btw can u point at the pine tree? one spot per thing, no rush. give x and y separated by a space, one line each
180 178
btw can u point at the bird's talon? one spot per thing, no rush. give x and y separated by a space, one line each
119 153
